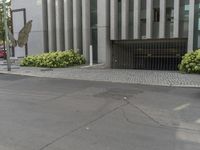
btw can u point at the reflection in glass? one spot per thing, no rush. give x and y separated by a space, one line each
197 25
184 18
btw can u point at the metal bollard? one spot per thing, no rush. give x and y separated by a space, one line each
91 55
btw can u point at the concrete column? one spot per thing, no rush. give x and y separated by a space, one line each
162 19
176 18
86 28
137 9
68 22
45 25
77 25
60 25
114 20
51 25
125 19
149 16
191 26
104 45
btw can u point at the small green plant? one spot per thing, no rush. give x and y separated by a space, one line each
190 62
59 59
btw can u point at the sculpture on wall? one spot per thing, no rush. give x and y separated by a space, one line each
22 37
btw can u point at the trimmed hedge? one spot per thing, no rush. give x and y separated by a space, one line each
190 62
59 59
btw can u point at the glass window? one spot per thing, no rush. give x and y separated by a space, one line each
119 18
131 16
197 25
93 11
184 18
169 18
156 15
94 36
156 18
143 19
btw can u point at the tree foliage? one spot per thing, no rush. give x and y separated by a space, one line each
8 12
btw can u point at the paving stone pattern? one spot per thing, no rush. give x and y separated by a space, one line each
146 77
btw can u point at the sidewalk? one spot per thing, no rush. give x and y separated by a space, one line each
144 77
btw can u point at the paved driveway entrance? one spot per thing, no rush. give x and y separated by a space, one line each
57 114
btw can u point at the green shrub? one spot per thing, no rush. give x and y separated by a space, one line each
191 62
59 59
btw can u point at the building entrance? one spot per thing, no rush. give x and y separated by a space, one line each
154 54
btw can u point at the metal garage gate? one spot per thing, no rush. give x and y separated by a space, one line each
151 54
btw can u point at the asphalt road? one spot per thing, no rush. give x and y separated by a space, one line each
56 114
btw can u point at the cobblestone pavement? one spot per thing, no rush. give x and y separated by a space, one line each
146 77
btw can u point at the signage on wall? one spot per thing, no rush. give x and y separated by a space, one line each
187 7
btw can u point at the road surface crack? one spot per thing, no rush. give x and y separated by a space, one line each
84 125
154 120
146 114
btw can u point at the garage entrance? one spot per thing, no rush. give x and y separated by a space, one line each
150 54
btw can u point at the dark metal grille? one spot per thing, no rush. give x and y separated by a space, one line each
152 54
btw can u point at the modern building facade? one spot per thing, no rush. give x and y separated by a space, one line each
77 24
